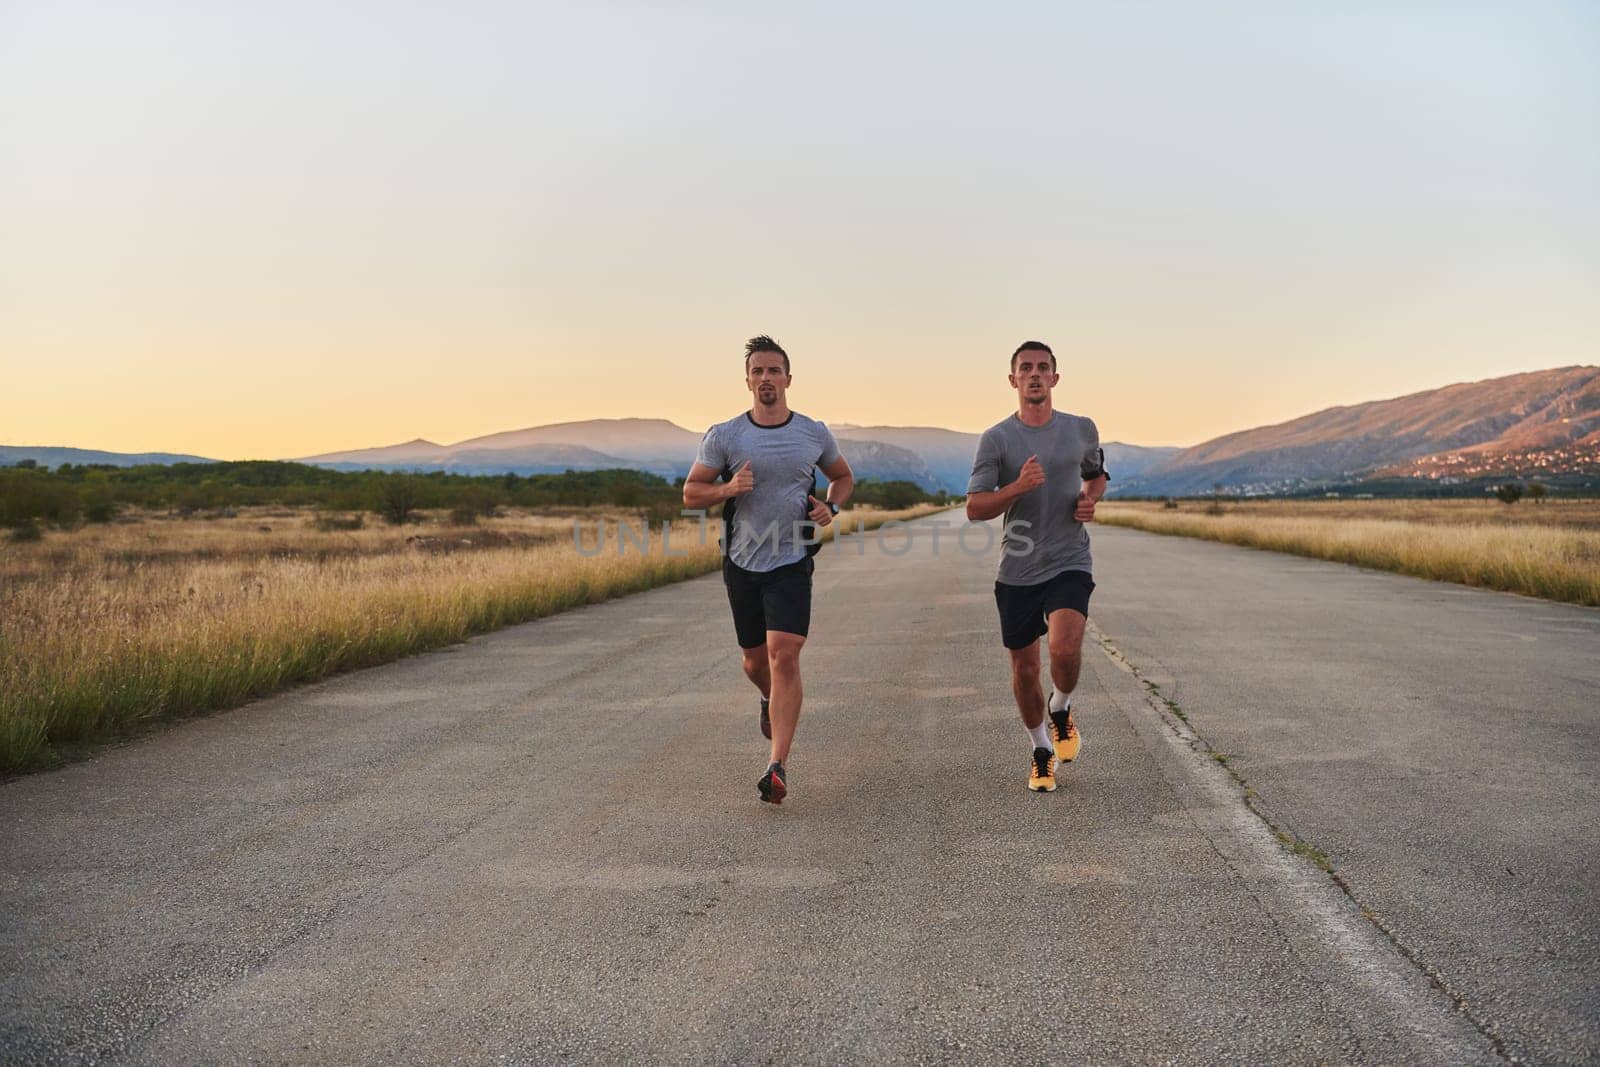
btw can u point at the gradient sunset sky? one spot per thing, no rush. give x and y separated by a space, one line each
312 227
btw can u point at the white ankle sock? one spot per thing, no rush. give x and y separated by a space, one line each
1041 736
1059 701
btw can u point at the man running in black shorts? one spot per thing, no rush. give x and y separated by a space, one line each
1044 470
767 458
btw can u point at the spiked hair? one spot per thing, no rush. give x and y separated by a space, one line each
763 343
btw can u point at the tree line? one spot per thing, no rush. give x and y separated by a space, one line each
74 493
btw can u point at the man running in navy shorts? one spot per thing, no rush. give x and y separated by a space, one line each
767 458
1045 471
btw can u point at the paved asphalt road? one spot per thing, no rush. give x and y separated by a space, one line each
545 844
1440 744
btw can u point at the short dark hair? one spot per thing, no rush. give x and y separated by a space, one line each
762 343
1033 346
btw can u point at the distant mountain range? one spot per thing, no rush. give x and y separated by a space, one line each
948 453
653 445
1474 429
47 456
1543 422
931 457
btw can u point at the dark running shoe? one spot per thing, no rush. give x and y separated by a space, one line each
772 786
766 720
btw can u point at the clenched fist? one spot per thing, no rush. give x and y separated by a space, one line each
820 513
1032 476
743 480
1083 511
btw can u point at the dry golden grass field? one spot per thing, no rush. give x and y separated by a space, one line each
1547 549
107 629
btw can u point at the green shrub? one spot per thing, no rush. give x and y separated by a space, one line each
892 496
471 503
30 495
99 505
397 499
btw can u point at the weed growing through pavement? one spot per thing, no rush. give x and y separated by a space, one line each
1304 848
1155 690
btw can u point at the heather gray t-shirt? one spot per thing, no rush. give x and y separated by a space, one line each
1068 447
783 459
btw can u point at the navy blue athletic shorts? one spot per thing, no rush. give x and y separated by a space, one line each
779 599
1024 608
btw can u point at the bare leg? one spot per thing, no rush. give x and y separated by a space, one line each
757 669
1025 684
783 653
1066 648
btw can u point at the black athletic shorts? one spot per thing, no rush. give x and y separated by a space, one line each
1024 608
779 599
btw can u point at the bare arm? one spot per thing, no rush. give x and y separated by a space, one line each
841 481
984 506
840 485
702 490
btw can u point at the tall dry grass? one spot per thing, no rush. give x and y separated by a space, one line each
105 631
1470 542
1579 513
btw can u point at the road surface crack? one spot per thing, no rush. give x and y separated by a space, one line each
1174 717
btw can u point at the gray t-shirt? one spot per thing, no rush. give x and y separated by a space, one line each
783 459
1042 538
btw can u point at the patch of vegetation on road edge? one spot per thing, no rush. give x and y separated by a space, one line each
1171 705
1301 847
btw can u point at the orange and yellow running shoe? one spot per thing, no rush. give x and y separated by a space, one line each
1064 732
1042 771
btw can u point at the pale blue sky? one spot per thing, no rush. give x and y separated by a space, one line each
300 229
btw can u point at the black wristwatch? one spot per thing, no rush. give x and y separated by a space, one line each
833 507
